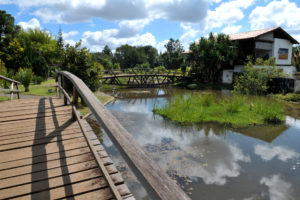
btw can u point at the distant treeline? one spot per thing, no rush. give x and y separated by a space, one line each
44 53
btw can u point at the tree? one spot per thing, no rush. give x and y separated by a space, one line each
148 54
40 50
13 55
173 58
8 29
127 56
107 51
210 55
296 57
78 60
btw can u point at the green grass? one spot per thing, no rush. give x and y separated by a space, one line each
102 98
294 97
46 88
238 111
4 98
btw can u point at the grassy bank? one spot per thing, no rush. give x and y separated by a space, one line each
46 88
4 98
237 111
293 97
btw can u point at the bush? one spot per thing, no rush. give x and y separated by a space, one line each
253 81
25 76
38 79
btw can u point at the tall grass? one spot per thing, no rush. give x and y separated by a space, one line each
237 110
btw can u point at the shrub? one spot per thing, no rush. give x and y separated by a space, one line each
253 81
24 75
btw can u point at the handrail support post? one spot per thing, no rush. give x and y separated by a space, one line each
11 92
64 85
75 102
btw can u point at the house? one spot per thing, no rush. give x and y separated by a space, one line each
265 43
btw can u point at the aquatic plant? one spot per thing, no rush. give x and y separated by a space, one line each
236 110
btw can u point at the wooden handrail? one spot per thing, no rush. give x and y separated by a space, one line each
11 88
158 184
10 80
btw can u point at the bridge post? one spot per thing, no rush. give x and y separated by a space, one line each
75 102
64 85
58 92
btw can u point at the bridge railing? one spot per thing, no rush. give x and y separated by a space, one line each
139 71
158 184
11 89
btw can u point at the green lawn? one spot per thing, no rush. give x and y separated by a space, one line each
46 88
238 111
4 98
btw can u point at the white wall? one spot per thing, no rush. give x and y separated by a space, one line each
227 76
282 43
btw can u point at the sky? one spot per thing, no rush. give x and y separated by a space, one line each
151 22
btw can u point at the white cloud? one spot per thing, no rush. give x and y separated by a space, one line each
176 10
69 35
232 29
268 152
97 40
278 188
277 13
161 46
227 13
31 24
189 35
129 28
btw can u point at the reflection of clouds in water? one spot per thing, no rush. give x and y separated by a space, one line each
213 162
267 152
136 108
292 122
278 188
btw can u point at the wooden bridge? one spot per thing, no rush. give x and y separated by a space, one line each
140 77
47 151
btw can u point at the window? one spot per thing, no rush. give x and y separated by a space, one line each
283 54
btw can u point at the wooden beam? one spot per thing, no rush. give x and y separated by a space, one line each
155 180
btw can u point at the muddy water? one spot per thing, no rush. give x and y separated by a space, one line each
211 161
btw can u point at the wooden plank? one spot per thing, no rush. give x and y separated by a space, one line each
34 111
43 158
32 122
77 188
153 177
4 174
45 141
80 182
35 116
9 80
50 148
26 134
102 194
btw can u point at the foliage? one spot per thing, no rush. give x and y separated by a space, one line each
8 30
77 60
210 55
25 76
173 58
294 97
296 57
235 110
13 55
253 80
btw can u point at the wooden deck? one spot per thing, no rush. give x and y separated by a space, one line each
44 154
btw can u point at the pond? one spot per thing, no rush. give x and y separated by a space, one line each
208 160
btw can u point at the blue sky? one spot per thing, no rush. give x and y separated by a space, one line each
151 22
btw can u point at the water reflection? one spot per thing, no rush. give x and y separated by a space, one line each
267 152
208 160
279 189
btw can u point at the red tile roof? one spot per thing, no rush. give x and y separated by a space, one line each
257 33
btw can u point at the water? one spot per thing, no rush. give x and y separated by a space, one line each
211 161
